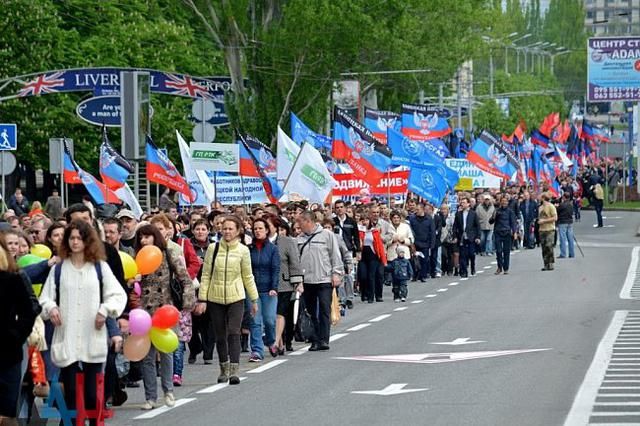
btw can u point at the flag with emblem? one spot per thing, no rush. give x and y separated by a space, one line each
424 122
161 170
286 155
301 133
96 189
488 153
379 121
114 168
309 177
193 176
428 183
355 144
257 160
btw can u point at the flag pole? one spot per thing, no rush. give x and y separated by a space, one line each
244 202
389 187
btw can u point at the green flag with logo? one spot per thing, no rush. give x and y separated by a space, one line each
309 177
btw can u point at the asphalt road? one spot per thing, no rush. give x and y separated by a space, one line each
532 336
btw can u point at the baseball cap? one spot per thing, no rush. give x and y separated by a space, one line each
126 213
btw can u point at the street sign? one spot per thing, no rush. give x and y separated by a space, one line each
100 110
7 163
8 137
204 132
56 149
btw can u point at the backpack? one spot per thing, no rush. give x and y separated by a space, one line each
57 271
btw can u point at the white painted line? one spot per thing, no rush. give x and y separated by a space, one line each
359 327
615 413
300 351
453 284
380 318
161 410
404 308
267 366
618 403
516 251
480 272
442 290
337 336
625 293
617 395
495 262
417 301
622 358
215 388
429 296
486 267
586 396
464 279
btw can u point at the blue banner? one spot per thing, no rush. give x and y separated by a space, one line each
301 133
428 184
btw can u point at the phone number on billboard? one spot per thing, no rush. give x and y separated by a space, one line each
608 93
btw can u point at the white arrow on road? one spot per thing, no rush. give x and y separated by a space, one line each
392 389
459 341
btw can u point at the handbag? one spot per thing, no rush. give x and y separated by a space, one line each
177 291
335 309
305 330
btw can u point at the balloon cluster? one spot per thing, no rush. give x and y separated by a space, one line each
143 328
146 330
39 253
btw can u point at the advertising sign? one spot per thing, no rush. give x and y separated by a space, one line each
229 191
613 71
478 178
219 157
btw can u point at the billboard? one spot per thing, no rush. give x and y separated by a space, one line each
613 69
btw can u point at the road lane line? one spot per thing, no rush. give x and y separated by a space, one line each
161 410
486 267
380 318
480 272
337 336
429 296
629 280
417 301
215 388
494 262
442 290
453 283
464 279
301 351
359 327
404 308
267 366
584 401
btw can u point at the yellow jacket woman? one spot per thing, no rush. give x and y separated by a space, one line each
231 279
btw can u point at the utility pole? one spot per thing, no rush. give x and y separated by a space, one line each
440 95
459 98
517 61
491 73
506 60
470 105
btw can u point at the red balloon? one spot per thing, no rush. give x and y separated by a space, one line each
166 316
148 259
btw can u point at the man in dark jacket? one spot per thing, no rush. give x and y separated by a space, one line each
505 227
346 227
466 231
529 210
19 203
435 247
424 233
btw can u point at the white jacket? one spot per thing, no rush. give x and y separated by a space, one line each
77 338
405 236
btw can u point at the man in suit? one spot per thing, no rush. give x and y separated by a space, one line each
466 230
529 210
424 233
346 227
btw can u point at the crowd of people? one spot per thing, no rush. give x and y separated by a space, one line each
239 273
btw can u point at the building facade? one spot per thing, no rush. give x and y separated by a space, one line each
612 17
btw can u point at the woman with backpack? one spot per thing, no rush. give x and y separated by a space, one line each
78 296
156 292
227 279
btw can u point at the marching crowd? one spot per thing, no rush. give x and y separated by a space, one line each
237 275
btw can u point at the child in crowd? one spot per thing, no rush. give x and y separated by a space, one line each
401 273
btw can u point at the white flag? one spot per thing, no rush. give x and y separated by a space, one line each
287 152
191 175
309 177
126 195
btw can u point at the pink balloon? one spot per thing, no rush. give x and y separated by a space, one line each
136 288
139 322
136 347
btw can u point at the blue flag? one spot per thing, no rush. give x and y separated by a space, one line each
410 153
428 184
301 133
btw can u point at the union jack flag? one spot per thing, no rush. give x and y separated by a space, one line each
42 84
186 86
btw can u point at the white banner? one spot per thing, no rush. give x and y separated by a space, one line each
229 191
221 157
465 169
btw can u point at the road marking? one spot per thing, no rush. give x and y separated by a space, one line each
161 410
480 272
495 262
464 279
404 308
440 358
392 389
380 318
459 341
486 267
417 301
337 336
453 283
583 404
429 296
359 327
632 273
612 217
267 366
215 388
605 226
301 351
442 290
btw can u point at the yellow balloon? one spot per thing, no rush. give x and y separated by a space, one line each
42 251
37 289
129 265
165 340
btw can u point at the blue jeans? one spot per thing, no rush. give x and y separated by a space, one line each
178 359
565 233
486 241
264 319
